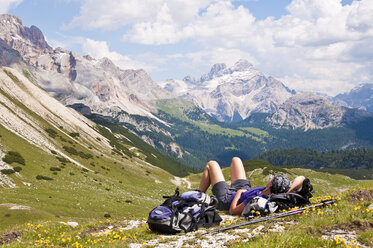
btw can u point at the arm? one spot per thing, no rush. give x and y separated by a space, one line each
296 183
234 208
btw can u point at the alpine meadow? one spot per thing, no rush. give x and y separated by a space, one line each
115 117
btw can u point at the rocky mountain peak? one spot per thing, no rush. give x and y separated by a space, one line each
360 96
311 111
214 72
242 65
232 93
12 27
190 80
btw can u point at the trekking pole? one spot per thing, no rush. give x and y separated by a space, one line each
280 215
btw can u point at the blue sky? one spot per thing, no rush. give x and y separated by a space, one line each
316 45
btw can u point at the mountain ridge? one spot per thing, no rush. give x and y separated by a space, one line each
232 93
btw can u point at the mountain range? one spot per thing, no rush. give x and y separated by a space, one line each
225 104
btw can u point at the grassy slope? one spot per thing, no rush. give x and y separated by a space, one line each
118 181
306 232
181 109
118 190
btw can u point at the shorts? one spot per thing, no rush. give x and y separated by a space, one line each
223 194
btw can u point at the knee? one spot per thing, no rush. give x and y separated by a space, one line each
212 164
236 160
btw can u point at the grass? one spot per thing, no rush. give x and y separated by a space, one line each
120 184
179 108
306 232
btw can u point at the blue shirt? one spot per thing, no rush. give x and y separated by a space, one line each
247 196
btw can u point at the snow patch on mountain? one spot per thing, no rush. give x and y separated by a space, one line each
232 93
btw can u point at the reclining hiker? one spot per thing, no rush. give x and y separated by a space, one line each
240 193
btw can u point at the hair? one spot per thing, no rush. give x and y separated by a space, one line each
280 184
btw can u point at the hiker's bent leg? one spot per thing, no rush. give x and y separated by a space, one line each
237 170
296 183
211 175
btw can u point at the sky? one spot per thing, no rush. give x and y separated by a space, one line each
324 46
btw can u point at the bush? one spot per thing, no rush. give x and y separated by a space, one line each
53 152
74 135
12 157
85 155
41 177
54 169
84 170
71 150
107 215
17 168
7 171
51 132
62 160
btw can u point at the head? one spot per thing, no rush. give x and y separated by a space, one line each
280 184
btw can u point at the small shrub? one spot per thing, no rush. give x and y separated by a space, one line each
51 132
27 74
54 169
107 215
70 150
74 135
98 139
85 155
71 174
55 173
53 152
7 171
17 168
41 177
107 189
92 164
84 170
12 157
62 160
128 201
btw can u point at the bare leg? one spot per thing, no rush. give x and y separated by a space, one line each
210 176
237 169
296 183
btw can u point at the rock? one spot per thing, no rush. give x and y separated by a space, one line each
232 93
360 96
370 206
311 111
72 223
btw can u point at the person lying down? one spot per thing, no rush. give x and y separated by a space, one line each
235 198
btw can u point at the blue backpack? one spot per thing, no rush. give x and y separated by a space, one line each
184 213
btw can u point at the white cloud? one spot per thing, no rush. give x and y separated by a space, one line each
117 13
100 49
317 40
6 5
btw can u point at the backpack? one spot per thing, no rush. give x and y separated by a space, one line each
184 213
294 199
274 203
